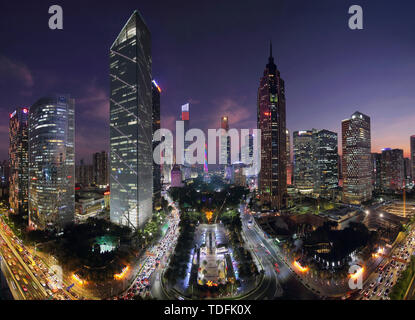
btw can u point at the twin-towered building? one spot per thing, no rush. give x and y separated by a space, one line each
315 161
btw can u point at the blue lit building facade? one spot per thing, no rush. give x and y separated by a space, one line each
52 163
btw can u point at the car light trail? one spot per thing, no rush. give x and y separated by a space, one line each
300 267
78 279
357 274
121 275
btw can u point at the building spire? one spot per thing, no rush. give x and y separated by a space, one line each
271 58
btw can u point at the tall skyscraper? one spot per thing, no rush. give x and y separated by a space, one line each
271 122
376 170
185 117
18 160
303 160
289 164
392 172
315 161
356 144
225 141
131 156
325 157
407 170
100 168
52 163
156 126
225 147
412 157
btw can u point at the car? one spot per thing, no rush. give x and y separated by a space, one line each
24 288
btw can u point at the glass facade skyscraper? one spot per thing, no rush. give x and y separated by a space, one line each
225 142
156 126
303 160
52 163
131 156
315 161
18 160
325 158
272 123
356 144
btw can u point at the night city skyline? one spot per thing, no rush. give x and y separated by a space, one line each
207 157
330 71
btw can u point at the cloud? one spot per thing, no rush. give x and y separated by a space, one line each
13 70
94 103
238 113
169 122
193 101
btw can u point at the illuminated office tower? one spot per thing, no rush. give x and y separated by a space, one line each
392 172
271 122
131 125
356 143
225 141
18 160
325 158
52 163
303 161
185 117
412 157
225 147
156 126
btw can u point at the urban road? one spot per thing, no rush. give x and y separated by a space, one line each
280 282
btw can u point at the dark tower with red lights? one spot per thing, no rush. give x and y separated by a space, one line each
271 120
18 160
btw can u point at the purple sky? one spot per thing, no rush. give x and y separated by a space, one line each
212 55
